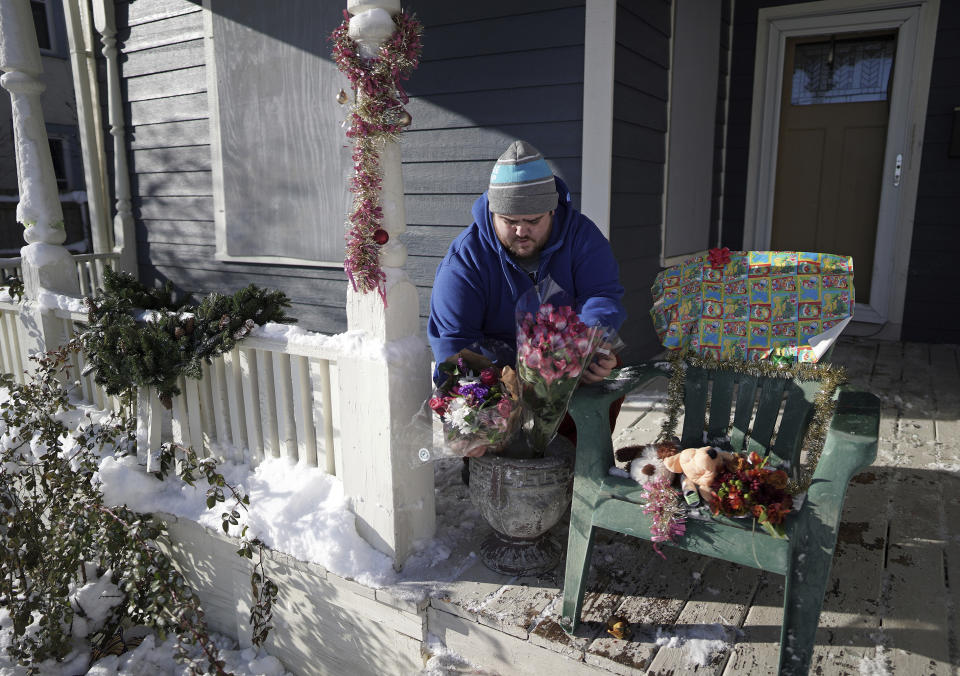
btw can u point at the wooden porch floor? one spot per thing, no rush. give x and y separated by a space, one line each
893 604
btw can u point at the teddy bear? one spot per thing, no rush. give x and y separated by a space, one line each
699 467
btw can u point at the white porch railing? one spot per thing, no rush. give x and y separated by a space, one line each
90 270
266 398
12 358
263 399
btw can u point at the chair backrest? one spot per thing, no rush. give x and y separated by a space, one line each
770 415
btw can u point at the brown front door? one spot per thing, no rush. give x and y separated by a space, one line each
833 129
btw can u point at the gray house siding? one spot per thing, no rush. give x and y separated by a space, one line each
933 274
489 74
641 83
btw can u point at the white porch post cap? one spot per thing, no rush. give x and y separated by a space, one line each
19 49
359 6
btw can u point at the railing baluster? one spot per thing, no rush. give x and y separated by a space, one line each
326 402
268 405
74 356
220 405
251 404
180 428
303 411
286 429
82 276
191 393
238 435
9 360
85 381
148 426
206 407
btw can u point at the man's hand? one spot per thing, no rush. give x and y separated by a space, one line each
599 368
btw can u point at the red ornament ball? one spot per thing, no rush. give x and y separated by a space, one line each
381 236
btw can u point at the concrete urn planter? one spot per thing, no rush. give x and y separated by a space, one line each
522 499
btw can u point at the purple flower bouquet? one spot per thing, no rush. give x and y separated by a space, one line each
477 404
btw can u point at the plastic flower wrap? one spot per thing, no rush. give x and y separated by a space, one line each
553 348
750 488
477 403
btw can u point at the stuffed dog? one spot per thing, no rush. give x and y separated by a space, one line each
699 467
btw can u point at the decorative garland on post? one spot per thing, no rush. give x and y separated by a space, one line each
377 117
830 377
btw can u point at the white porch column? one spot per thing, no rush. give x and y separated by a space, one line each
124 236
392 493
87 93
46 263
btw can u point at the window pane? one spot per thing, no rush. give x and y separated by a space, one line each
842 71
40 23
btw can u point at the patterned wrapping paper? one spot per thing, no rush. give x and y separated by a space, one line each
751 304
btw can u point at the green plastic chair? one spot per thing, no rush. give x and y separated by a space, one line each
604 501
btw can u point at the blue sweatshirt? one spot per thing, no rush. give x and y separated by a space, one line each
477 284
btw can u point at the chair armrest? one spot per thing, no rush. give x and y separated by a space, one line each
619 383
590 408
851 445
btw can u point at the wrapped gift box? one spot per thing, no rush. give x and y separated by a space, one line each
752 304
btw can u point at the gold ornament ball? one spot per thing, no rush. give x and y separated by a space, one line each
341 97
404 120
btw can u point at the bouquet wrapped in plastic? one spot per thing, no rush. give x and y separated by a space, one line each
477 404
554 347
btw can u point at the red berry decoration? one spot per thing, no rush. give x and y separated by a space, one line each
381 236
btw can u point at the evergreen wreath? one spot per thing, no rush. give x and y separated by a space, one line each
176 338
830 378
377 116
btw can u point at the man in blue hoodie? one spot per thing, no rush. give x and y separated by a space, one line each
525 228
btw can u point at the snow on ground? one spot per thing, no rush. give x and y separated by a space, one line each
699 643
293 508
146 659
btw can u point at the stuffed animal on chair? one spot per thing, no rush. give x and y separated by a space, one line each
699 467
646 462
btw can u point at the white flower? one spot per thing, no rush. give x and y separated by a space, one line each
458 419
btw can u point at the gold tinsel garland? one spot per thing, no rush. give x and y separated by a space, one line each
831 378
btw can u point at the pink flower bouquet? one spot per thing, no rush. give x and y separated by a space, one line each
477 404
553 348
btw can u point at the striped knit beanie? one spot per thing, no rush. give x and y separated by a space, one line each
521 182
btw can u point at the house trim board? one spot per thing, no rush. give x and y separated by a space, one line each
917 21
599 47
688 172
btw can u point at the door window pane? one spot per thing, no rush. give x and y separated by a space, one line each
842 71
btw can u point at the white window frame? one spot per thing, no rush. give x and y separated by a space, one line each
220 224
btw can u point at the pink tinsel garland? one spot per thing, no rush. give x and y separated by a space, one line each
377 116
668 520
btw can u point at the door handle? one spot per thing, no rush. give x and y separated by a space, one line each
898 170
